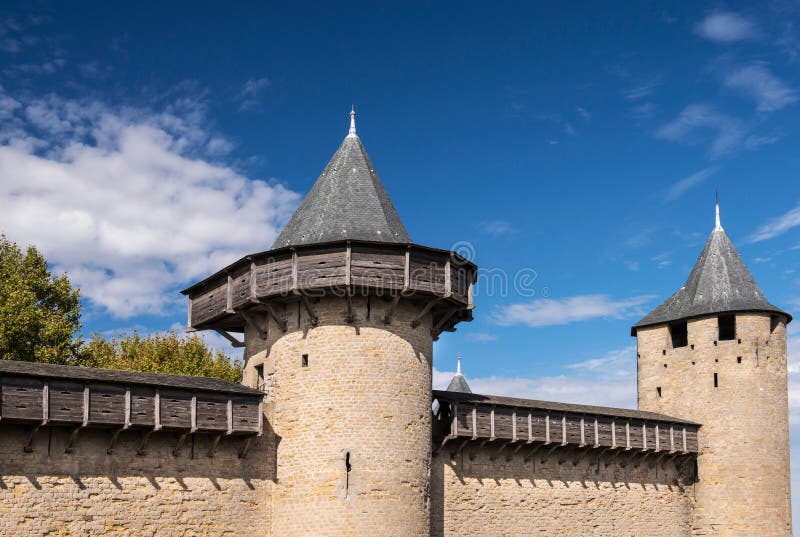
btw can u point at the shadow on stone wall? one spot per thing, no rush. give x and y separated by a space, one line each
581 470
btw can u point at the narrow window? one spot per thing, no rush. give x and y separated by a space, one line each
679 334
716 381
260 377
658 390
347 467
304 360
727 327
738 359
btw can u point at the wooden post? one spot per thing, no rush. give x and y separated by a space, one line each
474 422
583 433
684 439
627 435
157 411
644 435
596 433
193 414
294 270
261 416
229 292
407 270
448 289
189 314
547 428
491 424
613 433
85 405
230 415
563 429
253 285
514 425
127 406
658 440
454 424
671 437
46 402
530 427
347 264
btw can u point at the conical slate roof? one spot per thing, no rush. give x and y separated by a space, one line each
458 383
719 282
348 202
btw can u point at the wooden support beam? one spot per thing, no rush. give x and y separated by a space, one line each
448 287
514 425
114 437
407 270
583 432
28 447
627 435
547 428
144 441
234 342
613 433
252 322
644 435
530 427
72 439
295 283
245 447
179 444
596 433
127 407
387 319
671 438
157 411
564 430
684 439
280 321
214 443
229 292
418 319
229 414
532 452
454 422
85 405
309 310
491 424
658 440
193 414
253 283
437 327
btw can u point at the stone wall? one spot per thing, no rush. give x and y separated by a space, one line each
743 466
482 492
354 423
89 492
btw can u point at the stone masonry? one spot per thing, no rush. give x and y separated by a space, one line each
743 467
354 425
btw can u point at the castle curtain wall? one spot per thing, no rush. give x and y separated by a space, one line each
91 492
483 492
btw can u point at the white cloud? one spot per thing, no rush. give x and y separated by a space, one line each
497 228
757 82
642 90
585 114
728 131
677 189
726 27
481 337
777 226
127 201
551 312
609 380
250 93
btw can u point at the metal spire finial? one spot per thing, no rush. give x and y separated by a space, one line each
458 367
718 224
352 132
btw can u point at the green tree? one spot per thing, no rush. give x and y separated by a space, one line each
39 313
161 353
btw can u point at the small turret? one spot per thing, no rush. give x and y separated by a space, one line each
458 383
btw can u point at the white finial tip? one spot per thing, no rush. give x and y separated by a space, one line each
458 367
718 225
352 133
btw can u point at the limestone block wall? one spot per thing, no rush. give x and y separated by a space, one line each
350 404
743 467
89 492
483 492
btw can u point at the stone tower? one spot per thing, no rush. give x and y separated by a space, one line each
715 353
339 319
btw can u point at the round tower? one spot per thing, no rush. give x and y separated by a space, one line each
715 353
339 319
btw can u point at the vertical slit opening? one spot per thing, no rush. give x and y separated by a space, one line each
304 360
716 381
658 391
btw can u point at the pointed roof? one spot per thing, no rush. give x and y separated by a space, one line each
458 383
348 202
719 282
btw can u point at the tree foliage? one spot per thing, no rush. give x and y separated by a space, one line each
160 353
40 322
39 313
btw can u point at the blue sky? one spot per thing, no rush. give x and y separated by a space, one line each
143 147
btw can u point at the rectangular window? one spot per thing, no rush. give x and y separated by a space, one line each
304 360
679 334
658 390
727 327
260 376
716 381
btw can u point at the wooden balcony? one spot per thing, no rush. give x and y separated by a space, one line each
464 418
440 279
79 398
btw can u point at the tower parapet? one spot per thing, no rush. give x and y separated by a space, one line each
715 353
339 320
